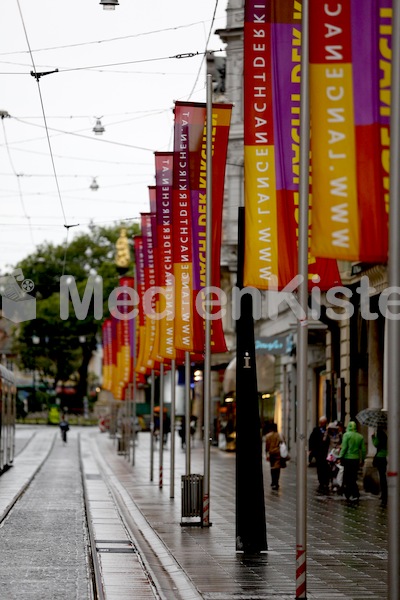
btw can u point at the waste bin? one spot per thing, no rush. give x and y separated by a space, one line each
192 498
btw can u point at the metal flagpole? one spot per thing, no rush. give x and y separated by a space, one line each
152 393
134 389
161 428
393 323
187 412
207 349
302 326
172 451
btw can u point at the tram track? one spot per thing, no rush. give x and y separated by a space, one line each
45 541
25 481
169 579
110 539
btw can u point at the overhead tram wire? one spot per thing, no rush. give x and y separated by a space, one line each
81 135
78 133
37 77
205 52
128 62
17 175
107 40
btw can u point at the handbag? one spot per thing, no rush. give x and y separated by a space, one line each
283 451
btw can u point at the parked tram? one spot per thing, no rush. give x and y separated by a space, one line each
7 418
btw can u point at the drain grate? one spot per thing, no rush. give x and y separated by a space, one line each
93 476
115 546
115 550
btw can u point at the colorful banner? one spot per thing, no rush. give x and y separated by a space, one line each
107 354
150 353
140 320
350 72
164 273
127 332
182 234
190 210
272 53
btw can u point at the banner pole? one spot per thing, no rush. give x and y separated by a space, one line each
152 393
134 381
161 428
187 412
172 452
302 325
207 349
393 324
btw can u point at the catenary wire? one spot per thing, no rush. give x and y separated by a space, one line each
17 175
205 52
107 40
43 112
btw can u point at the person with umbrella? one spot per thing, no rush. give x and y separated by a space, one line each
377 418
379 440
353 453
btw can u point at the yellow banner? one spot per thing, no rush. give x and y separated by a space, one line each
335 205
261 236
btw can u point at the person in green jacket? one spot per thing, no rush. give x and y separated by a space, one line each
352 454
380 442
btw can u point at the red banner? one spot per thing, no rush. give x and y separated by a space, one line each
107 354
164 273
190 210
272 53
150 356
350 73
140 320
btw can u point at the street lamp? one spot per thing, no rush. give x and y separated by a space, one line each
94 186
109 4
98 129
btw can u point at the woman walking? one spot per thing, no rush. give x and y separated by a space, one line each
272 449
352 455
380 442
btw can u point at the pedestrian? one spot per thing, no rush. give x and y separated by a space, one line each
166 428
318 446
64 427
272 449
182 432
352 455
380 461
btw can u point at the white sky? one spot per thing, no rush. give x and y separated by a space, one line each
134 100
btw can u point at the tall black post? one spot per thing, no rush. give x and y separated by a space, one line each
251 533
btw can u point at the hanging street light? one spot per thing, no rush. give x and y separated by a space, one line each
109 4
94 186
98 129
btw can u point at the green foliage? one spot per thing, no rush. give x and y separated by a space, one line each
64 348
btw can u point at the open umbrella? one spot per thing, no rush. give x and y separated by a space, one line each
373 417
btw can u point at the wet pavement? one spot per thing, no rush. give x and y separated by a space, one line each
43 546
347 545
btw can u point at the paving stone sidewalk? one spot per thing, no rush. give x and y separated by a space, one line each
347 545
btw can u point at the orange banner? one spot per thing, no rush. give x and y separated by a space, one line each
272 55
349 73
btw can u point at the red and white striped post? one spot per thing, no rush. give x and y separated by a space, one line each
300 572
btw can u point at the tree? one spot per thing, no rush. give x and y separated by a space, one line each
63 349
